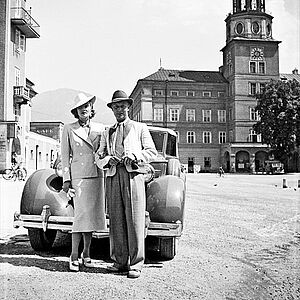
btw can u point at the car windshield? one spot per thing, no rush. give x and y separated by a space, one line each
158 139
171 145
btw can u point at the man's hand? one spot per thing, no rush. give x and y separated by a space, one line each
114 160
129 159
71 193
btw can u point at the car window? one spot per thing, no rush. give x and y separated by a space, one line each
171 145
158 139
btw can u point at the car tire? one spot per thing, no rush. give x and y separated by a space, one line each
173 167
40 240
168 247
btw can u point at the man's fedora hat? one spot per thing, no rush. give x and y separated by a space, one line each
119 96
81 99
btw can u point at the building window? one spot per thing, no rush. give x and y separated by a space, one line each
206 116
207 162
222 137
252 67
230 68
190 94
222 116
190 115
230 115
239 28
261 87
252 88
158 92
20 41
190 137
255 27
174 93
221 94
31 154
254 116
231 136
158 114
207 137
174 115
254 137
206 94
17 77
261 67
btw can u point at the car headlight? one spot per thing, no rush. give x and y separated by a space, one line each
149 175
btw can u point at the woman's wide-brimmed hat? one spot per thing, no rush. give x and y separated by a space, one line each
119 96
81 99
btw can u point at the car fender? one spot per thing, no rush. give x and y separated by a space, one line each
44 187
165 199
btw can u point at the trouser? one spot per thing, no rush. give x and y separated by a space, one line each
126 208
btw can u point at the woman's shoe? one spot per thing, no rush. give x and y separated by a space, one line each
87 262
73 265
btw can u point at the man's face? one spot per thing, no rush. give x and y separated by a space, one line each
120 110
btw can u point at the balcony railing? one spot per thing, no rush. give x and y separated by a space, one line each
23 20
21 94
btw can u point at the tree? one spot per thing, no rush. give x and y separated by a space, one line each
278 107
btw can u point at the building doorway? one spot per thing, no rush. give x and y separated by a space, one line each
242 161
191 164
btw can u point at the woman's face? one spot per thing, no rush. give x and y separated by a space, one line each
84 111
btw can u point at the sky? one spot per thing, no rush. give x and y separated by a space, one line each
99 46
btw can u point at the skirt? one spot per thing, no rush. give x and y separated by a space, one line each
89 205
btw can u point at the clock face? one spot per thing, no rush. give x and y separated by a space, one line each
257 53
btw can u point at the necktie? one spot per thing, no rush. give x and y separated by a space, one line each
119 148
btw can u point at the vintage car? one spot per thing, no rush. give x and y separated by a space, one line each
45 208
274 167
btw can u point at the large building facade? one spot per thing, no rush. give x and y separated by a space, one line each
213 111
16 91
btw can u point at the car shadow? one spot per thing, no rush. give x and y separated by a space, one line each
17 251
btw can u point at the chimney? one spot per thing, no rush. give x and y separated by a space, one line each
295 71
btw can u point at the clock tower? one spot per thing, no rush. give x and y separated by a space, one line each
250 60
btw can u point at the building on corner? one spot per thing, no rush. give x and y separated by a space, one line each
213 111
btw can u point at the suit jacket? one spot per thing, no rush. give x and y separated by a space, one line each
137 141
78 151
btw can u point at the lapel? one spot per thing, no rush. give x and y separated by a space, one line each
127 127
81 132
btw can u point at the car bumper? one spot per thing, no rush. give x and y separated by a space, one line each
46 221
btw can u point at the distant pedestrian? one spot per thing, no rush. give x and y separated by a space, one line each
221 172
123 148
83 181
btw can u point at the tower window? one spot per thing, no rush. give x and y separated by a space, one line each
255 27
269 29
239 28
252 67
261 67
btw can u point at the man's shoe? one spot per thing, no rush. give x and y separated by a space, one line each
134 274
116 269
73 265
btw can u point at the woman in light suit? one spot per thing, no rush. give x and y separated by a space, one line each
83 181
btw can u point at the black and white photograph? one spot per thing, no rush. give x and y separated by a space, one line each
150 149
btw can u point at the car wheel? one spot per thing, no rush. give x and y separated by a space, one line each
173 167
168 247
40 240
